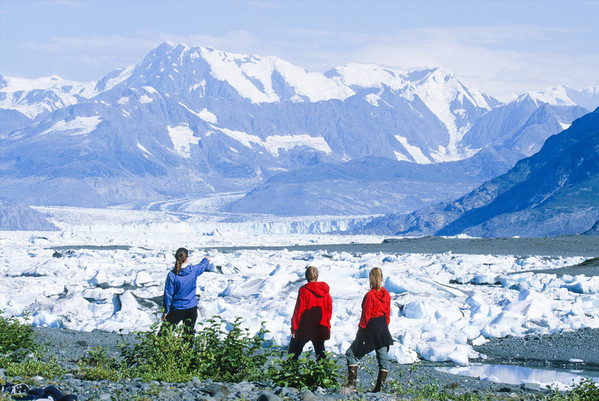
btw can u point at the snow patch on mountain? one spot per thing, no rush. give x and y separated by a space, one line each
565 126
204 114
114 78
182 137
242 137
145 99
401 157
414 151
275 142
77 126
438 90
143 149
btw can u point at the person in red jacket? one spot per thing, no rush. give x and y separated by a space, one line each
373 332
311 319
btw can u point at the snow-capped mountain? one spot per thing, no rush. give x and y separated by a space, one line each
34 97
562 95
196 120
550 193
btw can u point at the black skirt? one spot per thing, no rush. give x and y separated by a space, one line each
376 335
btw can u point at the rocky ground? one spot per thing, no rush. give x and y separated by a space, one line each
68 346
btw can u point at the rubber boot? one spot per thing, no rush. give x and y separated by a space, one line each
352 376
380 380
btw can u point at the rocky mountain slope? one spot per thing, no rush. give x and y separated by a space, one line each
550 193
191 121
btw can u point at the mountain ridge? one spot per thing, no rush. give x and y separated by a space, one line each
186 121
549 193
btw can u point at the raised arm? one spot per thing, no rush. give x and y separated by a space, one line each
202 266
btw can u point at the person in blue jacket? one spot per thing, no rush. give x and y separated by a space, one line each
180 302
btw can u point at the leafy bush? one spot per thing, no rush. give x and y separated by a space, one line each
227 352
16 340
220 351
160 355
97 365
305 373
585 390
33 365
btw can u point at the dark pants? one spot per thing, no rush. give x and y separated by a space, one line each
188 316
296 346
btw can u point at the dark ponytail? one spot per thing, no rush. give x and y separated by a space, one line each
180 257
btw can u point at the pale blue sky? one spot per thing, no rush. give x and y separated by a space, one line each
499 47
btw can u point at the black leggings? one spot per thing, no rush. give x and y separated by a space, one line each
296 346
188 316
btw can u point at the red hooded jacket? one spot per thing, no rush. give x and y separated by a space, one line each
375 304
313 310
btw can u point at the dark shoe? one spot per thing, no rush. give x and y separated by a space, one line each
352 376
380 380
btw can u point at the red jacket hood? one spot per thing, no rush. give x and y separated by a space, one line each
318 288
382 295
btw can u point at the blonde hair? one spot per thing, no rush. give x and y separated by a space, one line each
311 274
376 278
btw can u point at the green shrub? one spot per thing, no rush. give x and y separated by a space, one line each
221 351
585 390
160 355
305 373
32 366
226 352
97 365
16 340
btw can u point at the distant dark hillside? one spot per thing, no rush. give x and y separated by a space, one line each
16 217
550 193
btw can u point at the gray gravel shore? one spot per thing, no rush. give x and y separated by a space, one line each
68 346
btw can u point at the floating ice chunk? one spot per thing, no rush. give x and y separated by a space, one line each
419 310
441 352
45 319
390 259
459 355
480 340
471 331
99 279
142 278
449 314
584 285
485 278
395 285
402 354
128 315
250 287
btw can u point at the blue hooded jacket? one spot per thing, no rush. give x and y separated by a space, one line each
180 289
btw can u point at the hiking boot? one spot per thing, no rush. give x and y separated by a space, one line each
380 380
352 376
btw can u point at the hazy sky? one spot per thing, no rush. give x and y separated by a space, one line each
499 47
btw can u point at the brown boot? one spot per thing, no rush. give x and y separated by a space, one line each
352 376
380 380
